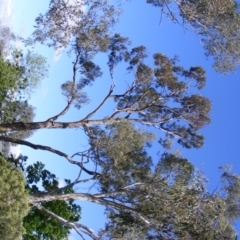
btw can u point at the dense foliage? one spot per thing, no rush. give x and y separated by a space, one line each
171 196
13 201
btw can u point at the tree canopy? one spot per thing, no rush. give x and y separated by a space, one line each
217 24
144 196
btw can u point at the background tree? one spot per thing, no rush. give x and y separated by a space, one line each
87 22
216 23
20 74
6 38
13 201
38 224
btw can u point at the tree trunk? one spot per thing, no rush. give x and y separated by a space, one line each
20 126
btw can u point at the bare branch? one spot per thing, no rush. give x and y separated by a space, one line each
49 149
171 13
130 89
73 225
20 126
64 111
109 194
100 105
34 199
70 185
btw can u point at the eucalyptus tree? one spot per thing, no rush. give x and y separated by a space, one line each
147 101
152 89
217 24
166 198
144 199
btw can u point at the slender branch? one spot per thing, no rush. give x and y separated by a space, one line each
73 225
100 105
109 194
49 149
171 13
86 197
170 132
70 185
64 111
130 89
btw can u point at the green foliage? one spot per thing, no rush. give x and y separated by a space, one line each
120 153
35 70
6 36
70 91
20 74
13 201
160 95
64 21
217 24
170 194
38 224
231 194
175 201
10 75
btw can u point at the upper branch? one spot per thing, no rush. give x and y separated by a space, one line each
100 105
64 111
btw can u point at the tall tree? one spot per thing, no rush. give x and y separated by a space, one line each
148 99
165 200
217 24
143 198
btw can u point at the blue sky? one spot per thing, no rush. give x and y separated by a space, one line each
140 22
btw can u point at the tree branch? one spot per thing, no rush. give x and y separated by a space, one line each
69 185
34 199
20 126
100 105
64 111
73 225
49 149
